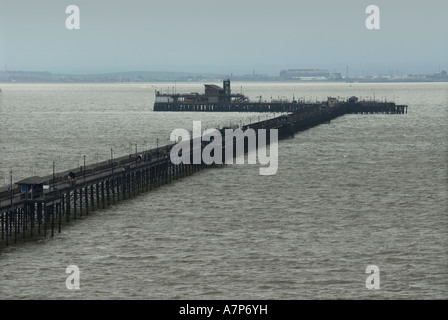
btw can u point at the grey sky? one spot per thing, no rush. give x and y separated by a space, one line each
236 36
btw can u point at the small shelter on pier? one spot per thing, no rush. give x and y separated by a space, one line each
32 187
332 101
353 99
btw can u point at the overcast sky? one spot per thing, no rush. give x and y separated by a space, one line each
237 36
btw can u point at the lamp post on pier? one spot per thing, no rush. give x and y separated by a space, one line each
10 186
53 175
84 173
112 160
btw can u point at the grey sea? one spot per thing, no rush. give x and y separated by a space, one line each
363 190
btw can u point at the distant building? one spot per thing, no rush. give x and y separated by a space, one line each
439 76
305 74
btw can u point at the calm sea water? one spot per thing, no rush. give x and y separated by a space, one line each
362 190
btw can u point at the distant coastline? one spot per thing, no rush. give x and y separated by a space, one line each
158 76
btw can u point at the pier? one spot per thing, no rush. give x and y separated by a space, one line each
217 99
38 207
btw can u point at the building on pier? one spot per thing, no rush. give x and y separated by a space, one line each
353 99
213 95
332 101
32 187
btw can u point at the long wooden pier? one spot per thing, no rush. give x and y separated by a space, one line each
38 207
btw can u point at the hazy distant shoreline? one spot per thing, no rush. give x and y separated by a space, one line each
158 76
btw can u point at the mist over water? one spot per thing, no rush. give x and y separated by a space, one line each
362 190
